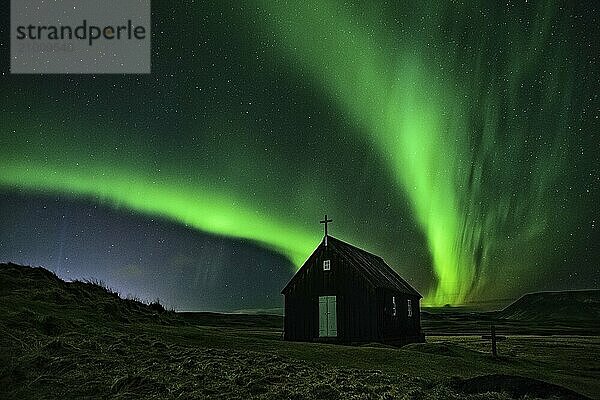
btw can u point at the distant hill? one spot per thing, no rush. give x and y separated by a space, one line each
571 305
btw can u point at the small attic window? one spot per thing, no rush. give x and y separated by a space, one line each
326 265
409 304
394 309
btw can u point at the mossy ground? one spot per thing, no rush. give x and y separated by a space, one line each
79 340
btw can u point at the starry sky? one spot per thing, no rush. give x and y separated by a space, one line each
458 140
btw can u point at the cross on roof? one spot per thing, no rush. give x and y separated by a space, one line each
325 222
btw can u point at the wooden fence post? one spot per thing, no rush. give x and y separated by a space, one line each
494 352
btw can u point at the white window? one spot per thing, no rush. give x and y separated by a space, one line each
394 310
409 304
326 265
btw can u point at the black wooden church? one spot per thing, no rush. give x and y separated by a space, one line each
344 294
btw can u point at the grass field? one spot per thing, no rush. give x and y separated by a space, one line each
61 340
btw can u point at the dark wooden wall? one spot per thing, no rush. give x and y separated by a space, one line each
356 301
401 325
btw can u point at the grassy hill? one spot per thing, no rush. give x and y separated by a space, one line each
80 340
572 305
543 313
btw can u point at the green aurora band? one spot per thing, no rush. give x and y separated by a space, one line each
452 102
114 177
417 108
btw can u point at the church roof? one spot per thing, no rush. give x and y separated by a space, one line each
374 269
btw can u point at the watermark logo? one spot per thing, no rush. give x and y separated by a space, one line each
80 36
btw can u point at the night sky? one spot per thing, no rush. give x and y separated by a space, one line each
458 140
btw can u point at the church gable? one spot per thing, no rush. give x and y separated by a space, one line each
370 266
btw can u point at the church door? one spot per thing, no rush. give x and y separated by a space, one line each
327 316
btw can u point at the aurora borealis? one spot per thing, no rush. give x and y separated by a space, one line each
458 140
